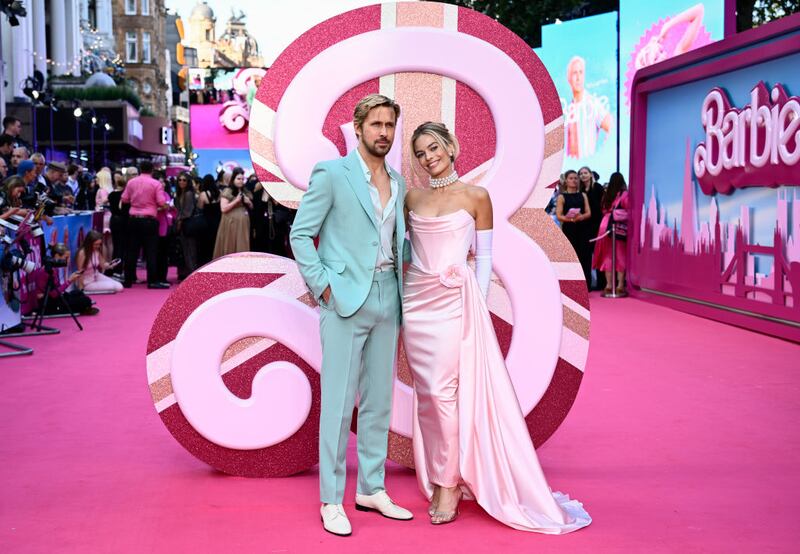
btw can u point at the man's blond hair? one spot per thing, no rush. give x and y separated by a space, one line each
368 103
576 60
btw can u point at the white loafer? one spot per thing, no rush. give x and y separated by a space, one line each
381 503
334 520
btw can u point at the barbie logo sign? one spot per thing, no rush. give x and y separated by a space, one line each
758 145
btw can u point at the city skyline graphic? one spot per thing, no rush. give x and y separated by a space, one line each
721 261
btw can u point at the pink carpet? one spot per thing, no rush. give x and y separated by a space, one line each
683 439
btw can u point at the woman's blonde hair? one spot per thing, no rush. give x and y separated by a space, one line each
104 179
439 133
368 103
562 182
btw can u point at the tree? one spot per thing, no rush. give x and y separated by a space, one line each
526 18
752 13
764 11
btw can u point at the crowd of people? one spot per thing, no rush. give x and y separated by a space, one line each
585 210
186 221
182 221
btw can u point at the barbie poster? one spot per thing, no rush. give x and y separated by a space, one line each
581 56
654 31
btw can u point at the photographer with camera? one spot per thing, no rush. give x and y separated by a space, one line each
53 268
27 170
11 198
55 182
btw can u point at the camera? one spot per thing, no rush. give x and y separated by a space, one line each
13 260
40 203
49 263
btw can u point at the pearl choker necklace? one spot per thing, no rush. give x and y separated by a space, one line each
444 181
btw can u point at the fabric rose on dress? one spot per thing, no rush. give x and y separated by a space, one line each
453 276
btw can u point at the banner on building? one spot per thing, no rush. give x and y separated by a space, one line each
716 185
581 56
654 31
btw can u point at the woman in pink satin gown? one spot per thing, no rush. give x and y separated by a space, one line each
470 436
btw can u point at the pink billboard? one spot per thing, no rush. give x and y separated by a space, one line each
715 181
219 106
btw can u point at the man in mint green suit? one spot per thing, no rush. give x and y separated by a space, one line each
355 206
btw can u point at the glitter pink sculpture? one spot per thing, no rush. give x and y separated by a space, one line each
235 114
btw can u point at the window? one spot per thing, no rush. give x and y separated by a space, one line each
145 7
93 14
146 48
131 53
130 7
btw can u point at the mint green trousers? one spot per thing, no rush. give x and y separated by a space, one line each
358 354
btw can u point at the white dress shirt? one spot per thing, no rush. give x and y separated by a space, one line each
384 216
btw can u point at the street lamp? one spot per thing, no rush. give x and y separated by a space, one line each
107 128
77 111
93 121
33 90
51 102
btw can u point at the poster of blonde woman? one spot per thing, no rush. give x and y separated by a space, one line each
654 31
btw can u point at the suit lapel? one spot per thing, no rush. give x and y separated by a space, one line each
400 221
399 203
355 178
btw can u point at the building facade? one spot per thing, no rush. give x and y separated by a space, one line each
55 38
235 47
139 32
48 39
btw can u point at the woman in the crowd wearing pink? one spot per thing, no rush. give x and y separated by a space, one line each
615 206
92 265
470 437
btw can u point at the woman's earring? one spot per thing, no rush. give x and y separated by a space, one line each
452 158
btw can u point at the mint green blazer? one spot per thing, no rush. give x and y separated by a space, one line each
337 208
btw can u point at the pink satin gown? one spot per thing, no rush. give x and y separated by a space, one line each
468 426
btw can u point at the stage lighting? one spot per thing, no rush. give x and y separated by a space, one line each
12 9
32 88
77 112
108 127
94 120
